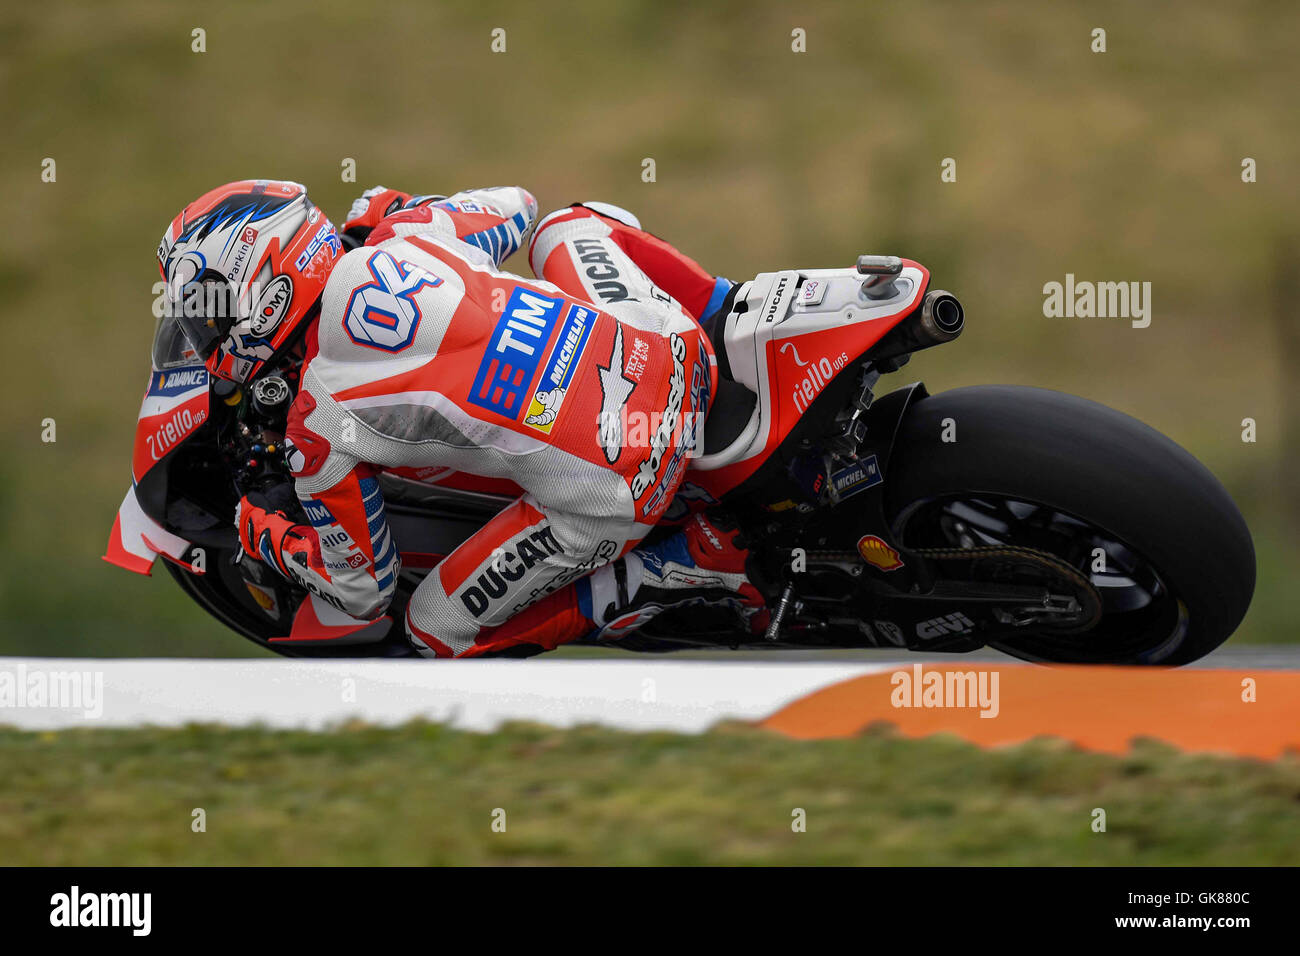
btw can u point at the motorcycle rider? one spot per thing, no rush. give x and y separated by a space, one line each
422 354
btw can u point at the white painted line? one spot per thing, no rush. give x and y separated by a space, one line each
473 695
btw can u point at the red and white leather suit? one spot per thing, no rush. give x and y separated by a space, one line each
585 389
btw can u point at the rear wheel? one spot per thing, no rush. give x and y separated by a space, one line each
1162 558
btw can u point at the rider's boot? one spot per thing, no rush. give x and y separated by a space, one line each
701 564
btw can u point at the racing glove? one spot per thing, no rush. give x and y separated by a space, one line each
269 536
369 208
495 221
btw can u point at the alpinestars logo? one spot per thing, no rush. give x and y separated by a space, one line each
663 436
615 387
657 499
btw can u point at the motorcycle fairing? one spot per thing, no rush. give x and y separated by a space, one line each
136 540
174 406
787 336
318 621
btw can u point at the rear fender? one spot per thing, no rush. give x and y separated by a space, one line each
862 513
789 340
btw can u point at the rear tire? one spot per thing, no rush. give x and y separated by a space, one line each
1117 474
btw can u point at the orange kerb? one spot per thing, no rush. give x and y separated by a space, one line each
1098 708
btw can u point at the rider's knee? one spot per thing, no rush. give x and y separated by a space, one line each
433 626
610 211
591 542
574 222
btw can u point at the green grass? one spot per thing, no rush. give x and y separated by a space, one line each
423 794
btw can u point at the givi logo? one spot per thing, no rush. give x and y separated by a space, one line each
956 623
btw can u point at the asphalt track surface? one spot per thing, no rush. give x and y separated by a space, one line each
1227 657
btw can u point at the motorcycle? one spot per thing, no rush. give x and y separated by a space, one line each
1044 525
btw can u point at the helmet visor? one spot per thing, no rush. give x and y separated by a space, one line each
203 309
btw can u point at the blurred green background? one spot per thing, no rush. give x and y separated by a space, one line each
1117 166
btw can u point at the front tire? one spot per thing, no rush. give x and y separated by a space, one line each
1020 454
222 593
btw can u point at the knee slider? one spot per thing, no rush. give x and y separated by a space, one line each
609 210
590 541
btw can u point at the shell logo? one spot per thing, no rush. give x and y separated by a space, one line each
878 554
265 599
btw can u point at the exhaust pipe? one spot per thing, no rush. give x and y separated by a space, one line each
941 318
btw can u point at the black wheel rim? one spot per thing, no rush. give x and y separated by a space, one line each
1142 620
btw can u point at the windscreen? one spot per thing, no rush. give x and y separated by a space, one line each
171 348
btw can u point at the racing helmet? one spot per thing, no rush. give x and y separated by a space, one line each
244 267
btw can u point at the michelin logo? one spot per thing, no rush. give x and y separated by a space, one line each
560 366
549 403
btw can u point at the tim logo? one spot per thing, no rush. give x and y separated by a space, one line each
383 314
317 514
503 383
